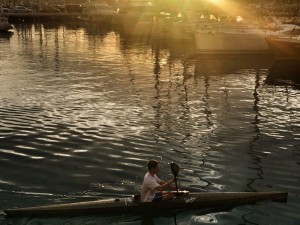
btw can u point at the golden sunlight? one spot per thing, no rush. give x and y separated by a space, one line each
223 5
216 1
230 8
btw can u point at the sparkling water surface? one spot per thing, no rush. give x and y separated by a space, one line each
83 108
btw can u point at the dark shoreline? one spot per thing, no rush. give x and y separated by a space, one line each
30 17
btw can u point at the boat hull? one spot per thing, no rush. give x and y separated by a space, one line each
100 12
4 24
5 27
97 18
131 205
230 43
285 47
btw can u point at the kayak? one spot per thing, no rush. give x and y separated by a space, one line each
184 200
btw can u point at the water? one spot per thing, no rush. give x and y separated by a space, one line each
82 110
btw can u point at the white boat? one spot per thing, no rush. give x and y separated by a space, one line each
161 28
100 12
174 28
215 36
277 28
4 24
135 17
183 30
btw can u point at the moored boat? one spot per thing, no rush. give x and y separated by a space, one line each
4 24
184 200
173 27
285 46
100 12
135 18
229 36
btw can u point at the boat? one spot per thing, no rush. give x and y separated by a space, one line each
6 34
135 18
285 46
100 12
161 27
213 35
125 205
183 30
4 24
173 27
277 28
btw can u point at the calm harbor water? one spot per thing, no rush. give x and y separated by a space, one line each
82 110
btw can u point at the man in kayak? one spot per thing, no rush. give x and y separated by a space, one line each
153 189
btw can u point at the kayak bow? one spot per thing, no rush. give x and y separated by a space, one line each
132 205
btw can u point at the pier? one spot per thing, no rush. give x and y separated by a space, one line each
27 17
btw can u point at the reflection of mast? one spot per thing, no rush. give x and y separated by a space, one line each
182 87
157 87
56 55
207 113
132 79
206 109
168 105
255 155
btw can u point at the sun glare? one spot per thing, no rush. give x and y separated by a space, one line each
223 5
230 8
216 1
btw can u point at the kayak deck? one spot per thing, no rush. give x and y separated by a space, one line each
132 205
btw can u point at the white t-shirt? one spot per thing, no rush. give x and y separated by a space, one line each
148 188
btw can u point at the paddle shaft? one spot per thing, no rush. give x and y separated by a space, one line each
176 184
175 170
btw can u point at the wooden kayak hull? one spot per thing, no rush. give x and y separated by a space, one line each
130 205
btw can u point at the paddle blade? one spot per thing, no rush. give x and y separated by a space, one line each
175 169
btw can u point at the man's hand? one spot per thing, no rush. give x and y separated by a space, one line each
164 185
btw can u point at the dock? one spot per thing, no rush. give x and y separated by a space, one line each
29 17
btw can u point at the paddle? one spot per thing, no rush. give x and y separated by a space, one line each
175 170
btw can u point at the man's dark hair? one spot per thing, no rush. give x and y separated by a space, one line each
152 164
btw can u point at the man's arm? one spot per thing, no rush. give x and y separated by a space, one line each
163 185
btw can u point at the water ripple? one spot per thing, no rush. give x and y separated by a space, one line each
82 112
